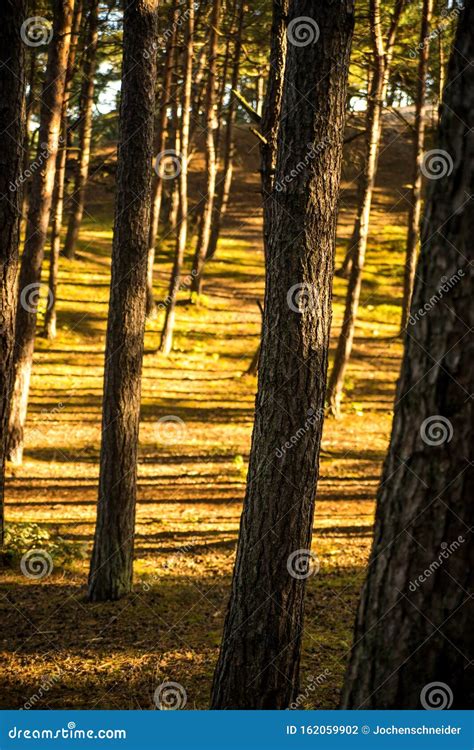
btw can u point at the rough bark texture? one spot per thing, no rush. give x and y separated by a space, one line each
12 132
414 213
59 182
258 664
37 223
166 342
211 162
410 633
112 557
77 198
382 55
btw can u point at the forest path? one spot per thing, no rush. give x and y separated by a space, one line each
194 442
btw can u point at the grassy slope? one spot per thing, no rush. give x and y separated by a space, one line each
191 475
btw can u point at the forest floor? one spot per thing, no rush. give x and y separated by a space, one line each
194 444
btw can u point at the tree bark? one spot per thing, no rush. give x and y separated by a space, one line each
383 53
112 557
211 163
410 632
77 198
414 212
37 223
166 342
160 142
258 664
12 135
223 192
50 317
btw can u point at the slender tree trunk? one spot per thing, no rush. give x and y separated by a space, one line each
211 163
30 105
77 198
112 557
383 52
160 142
258 664
37 223
413 636
12 135
166 342
223 192
414 213
59 183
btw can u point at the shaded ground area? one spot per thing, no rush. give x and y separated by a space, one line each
194 443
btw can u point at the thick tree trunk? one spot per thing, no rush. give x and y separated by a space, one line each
259 660
37 223
223 192
414 212
211 162
12 134
59 183
166 342
382 52
414 625
77 198
112 557
160 142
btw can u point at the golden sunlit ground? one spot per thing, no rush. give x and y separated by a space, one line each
192 467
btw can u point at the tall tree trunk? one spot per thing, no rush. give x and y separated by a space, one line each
223 192
211 163
258 664
12 135
383 53
112 557
166 342
59 182
413 636
30 105
37 223
77 198
414 212
160 142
